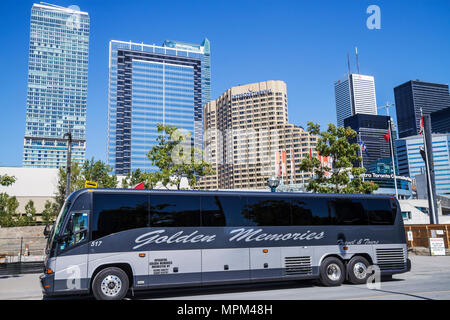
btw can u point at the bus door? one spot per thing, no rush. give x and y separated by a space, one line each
72 253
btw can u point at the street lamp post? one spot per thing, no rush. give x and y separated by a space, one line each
273 183
69 157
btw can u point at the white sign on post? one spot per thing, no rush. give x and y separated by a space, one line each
437 247
410 236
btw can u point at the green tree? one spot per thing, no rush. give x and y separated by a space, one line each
6 180
75 176
91 170
50 212
342 177
8 208
8 205
150 179
29 218
176 158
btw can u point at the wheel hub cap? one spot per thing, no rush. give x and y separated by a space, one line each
360 270
334 272
111 285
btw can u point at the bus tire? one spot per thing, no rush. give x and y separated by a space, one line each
357 270
110 284
332 272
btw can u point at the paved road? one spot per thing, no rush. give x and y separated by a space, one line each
428 279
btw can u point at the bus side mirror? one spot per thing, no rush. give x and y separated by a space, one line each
69 226
46 231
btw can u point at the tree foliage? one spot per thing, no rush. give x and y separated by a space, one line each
150 179
342 177
96 171
8 208
176 158
50 212
6 180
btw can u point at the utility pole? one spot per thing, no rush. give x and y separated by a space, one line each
427 155
68 166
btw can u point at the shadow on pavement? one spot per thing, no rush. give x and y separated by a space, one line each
219 289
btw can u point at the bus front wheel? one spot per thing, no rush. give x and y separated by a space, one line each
332 272
110 284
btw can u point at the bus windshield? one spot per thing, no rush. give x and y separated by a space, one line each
58 223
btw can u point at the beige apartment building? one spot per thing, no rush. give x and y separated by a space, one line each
243 131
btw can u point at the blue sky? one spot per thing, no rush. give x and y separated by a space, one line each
303 43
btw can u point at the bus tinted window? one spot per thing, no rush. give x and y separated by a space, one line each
233 207
174 211
118 212
268 211
212 213
349 212
83 202
309 211
380 211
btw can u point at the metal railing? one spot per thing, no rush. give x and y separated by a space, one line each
22 255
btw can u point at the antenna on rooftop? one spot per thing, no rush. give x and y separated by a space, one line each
348 63
357 61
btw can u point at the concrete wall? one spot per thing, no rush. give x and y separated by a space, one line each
417 216
33 237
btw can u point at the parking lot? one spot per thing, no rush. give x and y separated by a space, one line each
429 279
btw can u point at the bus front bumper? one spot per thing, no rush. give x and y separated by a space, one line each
47 282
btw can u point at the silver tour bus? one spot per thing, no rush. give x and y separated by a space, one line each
109 241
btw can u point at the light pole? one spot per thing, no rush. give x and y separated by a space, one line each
273 183
68 166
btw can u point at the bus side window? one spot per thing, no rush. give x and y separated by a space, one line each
349 212
380 212
212 213
267 211
234 209
118 212
174 211
310 211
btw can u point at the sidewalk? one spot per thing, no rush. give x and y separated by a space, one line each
23 287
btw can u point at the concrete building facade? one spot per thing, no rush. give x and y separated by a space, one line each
244 129
354 94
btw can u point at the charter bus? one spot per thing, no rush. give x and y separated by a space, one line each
106 242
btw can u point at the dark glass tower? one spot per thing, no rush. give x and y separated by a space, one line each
440 121
371 130
413 95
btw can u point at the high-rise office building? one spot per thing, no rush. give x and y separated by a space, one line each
440 121
371 130
354 94
244 129
151 84
411 96
410 162
57 85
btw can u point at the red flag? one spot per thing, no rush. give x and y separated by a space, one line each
421 125
310 154
139 186
387 136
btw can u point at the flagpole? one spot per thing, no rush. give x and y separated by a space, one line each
427 166
393 162
360 150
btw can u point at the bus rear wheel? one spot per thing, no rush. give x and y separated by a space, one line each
110 284
357 270
332 272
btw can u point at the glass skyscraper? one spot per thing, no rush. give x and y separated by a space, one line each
151 84
414 95
57 85
410 162
354 94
